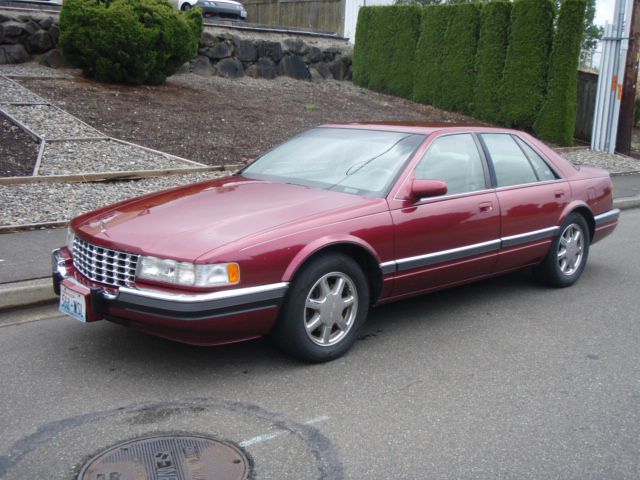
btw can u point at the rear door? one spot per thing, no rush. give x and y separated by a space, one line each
451 238
531 197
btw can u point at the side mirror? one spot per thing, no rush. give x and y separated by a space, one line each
428 188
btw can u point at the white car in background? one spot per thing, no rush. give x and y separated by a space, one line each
215 8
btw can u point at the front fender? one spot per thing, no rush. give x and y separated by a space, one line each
325 243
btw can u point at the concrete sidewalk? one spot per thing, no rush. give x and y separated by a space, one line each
25 257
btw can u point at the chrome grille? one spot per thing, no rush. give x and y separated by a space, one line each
104 265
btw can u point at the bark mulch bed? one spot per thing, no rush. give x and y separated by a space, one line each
222 121
18 150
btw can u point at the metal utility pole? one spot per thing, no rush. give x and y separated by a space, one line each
627 103
612 67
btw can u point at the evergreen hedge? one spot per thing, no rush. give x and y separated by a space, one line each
128 41
428 83
557 119
495 19
364 48
458 61
524 81
393 32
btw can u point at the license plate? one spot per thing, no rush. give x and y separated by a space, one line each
73 303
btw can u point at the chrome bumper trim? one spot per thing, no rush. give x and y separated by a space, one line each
607 217
275 288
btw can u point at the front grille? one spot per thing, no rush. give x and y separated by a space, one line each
104 265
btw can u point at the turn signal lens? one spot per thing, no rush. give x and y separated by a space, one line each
233 272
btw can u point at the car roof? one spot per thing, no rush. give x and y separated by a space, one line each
417 127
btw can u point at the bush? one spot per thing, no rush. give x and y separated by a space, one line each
384 52
363 50
557 119
128 41
525 75
427 82
495 18
458 66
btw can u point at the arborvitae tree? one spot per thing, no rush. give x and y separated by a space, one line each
557 119
458 65
428 83
386 57
495 18
524 81
398 31
363 48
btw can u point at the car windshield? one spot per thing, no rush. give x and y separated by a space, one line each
360 162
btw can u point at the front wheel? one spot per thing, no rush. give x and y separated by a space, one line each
185 7
327 303
567 257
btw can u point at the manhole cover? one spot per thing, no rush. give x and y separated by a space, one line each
179 457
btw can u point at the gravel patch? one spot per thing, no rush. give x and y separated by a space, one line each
36 70
616 164
70 158
11 92
50 122
38 203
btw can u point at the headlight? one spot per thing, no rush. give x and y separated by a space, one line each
188 274
70 236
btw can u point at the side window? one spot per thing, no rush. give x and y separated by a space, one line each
539 165
509 162
454 159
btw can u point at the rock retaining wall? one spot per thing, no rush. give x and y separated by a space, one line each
25 38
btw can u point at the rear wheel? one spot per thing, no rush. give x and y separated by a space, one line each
567 257
327 303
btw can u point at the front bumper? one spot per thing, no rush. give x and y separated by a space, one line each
196 318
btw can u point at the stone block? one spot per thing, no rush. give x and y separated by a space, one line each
13 54
293 66
229 68
246 51
39 42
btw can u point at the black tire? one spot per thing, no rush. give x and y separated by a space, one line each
573 241
340 308
185 7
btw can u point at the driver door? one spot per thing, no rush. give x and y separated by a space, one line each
454 237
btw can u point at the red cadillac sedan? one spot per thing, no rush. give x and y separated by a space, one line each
302 242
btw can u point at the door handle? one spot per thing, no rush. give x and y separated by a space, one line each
559 193
486 206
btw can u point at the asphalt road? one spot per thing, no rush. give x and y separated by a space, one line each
501 379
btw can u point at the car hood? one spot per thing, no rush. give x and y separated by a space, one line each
187 222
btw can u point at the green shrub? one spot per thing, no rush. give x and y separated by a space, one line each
458 65
495 18
427 82
525 75
557 119
383 56
128 41
363 50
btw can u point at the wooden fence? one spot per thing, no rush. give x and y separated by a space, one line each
321 15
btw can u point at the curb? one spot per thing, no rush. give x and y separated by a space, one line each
33 292
627 202
26 293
